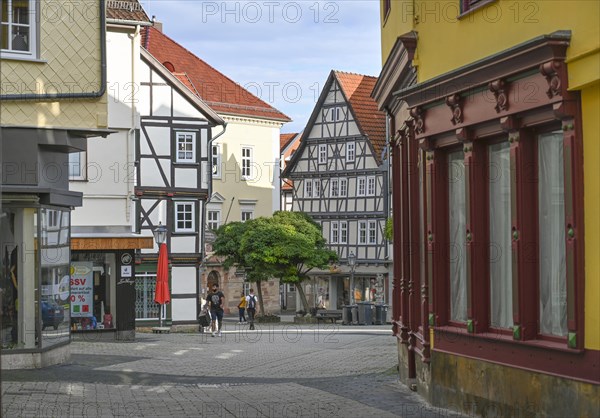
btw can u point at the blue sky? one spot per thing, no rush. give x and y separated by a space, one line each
282 51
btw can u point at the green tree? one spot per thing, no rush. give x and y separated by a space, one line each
288 245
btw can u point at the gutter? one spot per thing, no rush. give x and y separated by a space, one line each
88 95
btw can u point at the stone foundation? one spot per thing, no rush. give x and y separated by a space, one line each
58 355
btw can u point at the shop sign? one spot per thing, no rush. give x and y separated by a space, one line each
82 289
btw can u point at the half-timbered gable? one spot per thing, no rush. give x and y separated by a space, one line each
245 158
172 175
339 179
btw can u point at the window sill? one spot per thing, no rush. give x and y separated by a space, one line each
508 339
475 7
185 163
31 59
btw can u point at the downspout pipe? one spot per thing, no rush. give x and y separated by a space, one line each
87 95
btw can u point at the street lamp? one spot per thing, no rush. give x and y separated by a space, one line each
352 264
161 291
160 234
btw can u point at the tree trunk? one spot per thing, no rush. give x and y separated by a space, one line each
260 297
300 290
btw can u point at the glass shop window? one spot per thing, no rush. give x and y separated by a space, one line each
93 291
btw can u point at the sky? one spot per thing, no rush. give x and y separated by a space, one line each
281 51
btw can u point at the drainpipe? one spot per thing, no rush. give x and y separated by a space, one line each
87 95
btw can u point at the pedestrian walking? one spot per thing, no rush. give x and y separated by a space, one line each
242 308
251 302
215 300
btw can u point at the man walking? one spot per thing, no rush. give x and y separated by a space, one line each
215 300
251 307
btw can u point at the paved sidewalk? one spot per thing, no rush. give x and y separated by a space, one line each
275 371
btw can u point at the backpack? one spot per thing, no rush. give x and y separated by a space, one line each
252 302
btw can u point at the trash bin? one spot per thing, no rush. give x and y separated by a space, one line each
346 315
381 314
354 309
365 313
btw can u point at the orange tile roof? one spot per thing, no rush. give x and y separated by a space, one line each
215 89
357 88
285 139
126 10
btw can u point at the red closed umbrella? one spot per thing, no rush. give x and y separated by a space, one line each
162 294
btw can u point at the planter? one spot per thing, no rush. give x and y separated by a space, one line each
269 319
305 320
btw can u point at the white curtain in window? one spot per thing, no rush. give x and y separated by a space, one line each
457 221
552 260
500 236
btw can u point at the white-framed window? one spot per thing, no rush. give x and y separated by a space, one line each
214 219
350 152
317 188
247 215
362 232
18 29
343 232
322 153
246 162
334 190
343 187
216 161
335 232
184 217
361 186
186 147
372 232
77 165
335 113
308 185
370 186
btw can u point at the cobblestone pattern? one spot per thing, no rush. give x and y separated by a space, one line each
279 371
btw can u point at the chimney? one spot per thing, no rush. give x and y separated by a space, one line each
157 25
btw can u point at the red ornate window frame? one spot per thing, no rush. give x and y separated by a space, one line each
515 94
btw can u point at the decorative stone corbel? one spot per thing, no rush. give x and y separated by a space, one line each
455 105
500 90
417 115
552 71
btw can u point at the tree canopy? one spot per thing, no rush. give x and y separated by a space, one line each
288 246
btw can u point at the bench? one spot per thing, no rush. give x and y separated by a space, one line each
331 315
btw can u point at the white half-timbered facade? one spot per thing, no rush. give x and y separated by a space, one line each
340 181
172 179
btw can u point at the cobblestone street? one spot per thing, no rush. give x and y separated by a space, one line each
276 371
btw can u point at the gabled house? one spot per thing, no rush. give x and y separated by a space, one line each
153 168
245 159
339 179
52 99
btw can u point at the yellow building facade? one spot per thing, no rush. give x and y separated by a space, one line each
506 237
52 98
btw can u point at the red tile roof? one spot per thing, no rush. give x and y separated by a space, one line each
357 88
285 140
221 93
126 10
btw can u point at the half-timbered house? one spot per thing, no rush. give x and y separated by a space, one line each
340 181
172 166
245 159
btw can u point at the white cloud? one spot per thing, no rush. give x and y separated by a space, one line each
276 46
